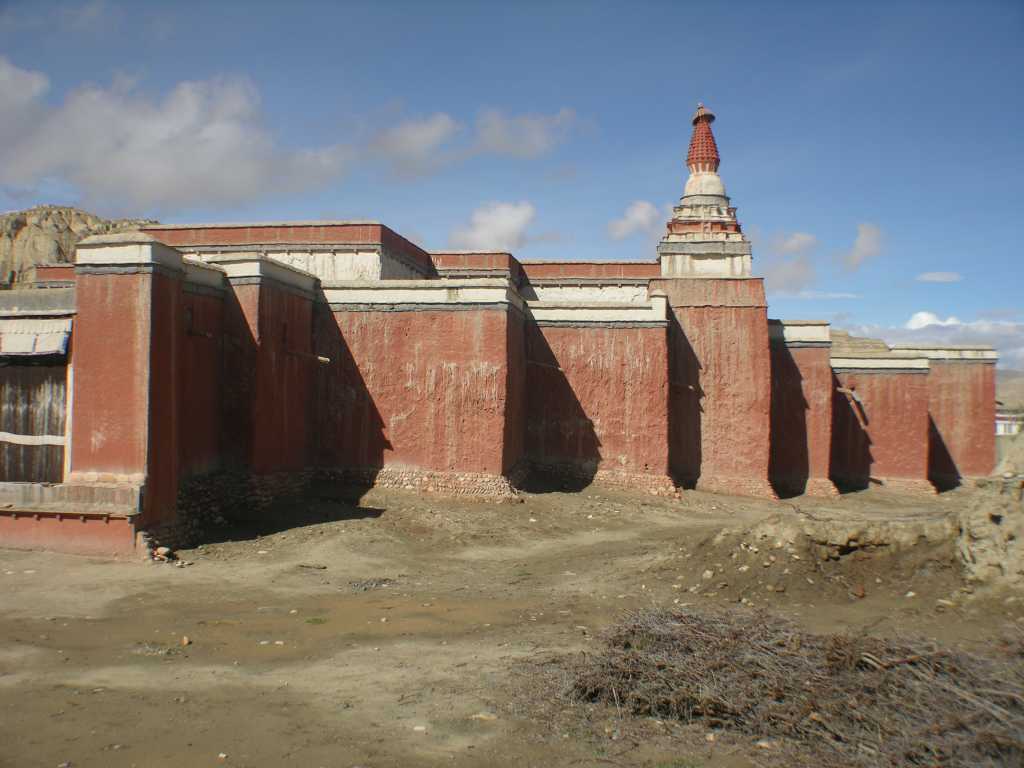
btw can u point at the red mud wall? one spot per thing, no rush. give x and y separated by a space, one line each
516 405
186 392
165 403
484 262
270 370
598 399
885 436
423 390
720 375
961 403
142 394
801 418
200 383
110 354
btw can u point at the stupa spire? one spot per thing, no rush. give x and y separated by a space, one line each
703 237
703 154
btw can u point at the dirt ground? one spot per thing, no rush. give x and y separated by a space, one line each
394 633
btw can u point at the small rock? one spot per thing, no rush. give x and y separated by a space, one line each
186 640
911 594
859 591
485 716
420 728
708 575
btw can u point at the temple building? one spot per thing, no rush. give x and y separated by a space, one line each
186 368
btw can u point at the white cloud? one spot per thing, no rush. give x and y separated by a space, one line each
813 294
20 88
522 135
789 269
639 216
415 147
203 143
939 277
920 320
793 243
495 226
421 146
867 245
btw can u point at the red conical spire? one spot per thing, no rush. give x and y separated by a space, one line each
703 154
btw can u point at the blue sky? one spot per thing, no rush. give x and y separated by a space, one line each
874 150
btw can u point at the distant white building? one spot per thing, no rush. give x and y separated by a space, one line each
1009 422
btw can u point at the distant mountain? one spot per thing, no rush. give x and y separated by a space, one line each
1010 388
47 234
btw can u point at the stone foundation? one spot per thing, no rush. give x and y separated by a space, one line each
459 484
820 487
581 475
909 485
211 501
758 488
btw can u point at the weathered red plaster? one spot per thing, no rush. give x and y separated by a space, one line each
598 399
961 404
200 377
165 401
497 262
270 422
884 437
110 423
418 389
801 420
516 404
54 272
720 376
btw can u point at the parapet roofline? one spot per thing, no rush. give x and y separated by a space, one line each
450 252
945 347
261 224
586 261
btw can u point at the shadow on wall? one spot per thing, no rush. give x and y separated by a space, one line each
348 430
238 388
685 409
942 469
561 444
788 461
851 458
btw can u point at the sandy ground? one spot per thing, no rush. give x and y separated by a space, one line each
393 633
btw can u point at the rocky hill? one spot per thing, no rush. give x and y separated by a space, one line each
47 234
1010 388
